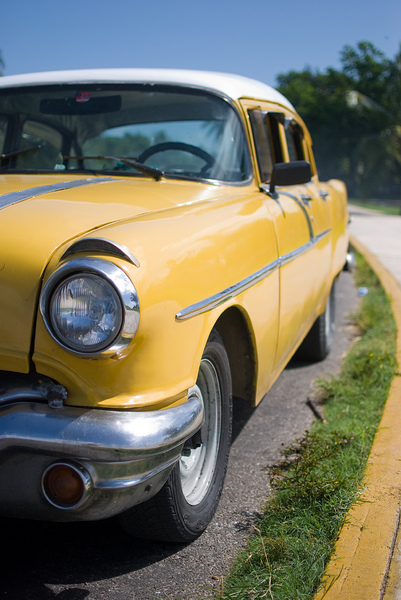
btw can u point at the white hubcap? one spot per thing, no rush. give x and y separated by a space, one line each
197 464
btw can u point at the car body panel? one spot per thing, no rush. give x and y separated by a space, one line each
61 215
215 263
209 248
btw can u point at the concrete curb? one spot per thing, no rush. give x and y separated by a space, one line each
360 563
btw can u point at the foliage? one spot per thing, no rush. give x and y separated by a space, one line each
127 145
354 116
320 476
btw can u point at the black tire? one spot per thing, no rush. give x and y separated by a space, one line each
319 341
185 505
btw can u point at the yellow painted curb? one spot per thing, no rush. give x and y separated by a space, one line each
359 566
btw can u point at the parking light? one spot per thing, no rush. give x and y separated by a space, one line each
65 485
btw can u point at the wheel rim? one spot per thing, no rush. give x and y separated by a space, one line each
197 464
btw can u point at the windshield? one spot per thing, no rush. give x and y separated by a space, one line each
92 128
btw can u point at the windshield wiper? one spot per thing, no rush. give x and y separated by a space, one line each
18 152
129 162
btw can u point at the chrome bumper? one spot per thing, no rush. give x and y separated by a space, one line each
128 455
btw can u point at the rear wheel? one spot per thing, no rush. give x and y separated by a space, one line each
185 505
319 340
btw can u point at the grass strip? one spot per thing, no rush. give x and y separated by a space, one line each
320 475
386 208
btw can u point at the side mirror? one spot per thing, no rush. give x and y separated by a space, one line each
290 173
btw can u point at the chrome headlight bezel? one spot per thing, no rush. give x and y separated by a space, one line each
122 287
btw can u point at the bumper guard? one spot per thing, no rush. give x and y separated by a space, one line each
128 455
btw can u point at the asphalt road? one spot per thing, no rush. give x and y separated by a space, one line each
97 561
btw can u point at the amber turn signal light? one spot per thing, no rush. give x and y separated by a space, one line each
65 485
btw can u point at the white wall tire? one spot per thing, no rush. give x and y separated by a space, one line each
185 505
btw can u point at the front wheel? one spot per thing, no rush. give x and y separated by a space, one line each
185 505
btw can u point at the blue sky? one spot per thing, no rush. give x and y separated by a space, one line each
255 38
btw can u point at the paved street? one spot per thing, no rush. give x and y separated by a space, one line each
381 234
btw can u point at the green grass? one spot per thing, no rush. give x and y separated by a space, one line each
319 476
380 205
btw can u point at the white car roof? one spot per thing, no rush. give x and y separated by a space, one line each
233 86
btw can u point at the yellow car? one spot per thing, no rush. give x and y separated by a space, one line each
165 245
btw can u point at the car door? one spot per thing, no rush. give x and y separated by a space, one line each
312 196
301 225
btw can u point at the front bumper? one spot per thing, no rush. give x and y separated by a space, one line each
127 455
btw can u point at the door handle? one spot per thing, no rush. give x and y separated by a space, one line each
306 199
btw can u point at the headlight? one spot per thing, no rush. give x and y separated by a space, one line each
90 306
85 313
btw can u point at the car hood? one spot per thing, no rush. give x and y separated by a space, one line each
38 214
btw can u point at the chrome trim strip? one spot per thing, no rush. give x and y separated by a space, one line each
321 236
103 246
14 197
227 294
217 299
287 258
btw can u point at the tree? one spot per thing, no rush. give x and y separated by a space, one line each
354 118
377 93
320 99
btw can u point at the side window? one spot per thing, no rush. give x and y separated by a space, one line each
294 136
274 134
3 130
262 144
275 122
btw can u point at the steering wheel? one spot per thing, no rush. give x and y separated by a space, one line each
164 146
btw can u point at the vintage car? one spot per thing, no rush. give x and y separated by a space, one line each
165 246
